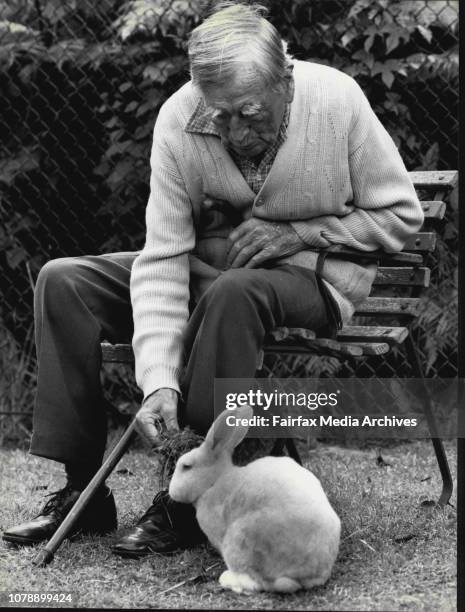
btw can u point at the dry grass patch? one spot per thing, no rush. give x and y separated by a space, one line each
395 554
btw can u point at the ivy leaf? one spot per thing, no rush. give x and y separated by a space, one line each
117 148
392 42
306 39
425 32
26 161
122 169
387 70
369 42
11 32
151 104
111 123
364 57
430 159
162 70
15 256
66 51
131 106
388 77
143 131
55 11
348 37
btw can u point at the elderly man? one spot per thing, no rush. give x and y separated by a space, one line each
295 151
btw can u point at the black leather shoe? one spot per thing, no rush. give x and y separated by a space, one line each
99 517
167 526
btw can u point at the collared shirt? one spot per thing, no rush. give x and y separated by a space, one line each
254 172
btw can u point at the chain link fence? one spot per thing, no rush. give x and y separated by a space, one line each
80 86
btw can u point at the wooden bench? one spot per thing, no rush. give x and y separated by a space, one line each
400 279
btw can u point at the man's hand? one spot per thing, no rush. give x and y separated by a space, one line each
255 241
158 411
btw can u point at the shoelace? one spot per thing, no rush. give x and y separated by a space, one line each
56 501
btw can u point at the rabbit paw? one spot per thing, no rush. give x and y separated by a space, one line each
239 583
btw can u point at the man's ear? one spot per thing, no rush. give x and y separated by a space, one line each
289 82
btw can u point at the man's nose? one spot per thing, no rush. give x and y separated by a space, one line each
238 130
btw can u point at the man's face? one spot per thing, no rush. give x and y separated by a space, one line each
247 115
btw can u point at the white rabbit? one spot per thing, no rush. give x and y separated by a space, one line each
270 519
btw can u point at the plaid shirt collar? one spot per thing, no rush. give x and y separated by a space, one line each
254 172
201 122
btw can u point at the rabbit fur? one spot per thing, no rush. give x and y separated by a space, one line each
270 520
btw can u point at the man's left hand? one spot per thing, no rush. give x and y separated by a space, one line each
159 411
255 241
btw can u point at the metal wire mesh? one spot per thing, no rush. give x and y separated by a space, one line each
80 87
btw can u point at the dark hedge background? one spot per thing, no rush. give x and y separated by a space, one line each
80 86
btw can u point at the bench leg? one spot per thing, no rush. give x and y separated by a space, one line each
292 451
278 448
441 457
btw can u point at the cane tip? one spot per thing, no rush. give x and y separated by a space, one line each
43 558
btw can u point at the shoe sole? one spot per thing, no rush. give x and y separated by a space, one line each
19 541
127 554
22 541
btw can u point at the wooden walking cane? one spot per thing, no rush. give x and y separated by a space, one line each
45 556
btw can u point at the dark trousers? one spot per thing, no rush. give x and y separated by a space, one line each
80 301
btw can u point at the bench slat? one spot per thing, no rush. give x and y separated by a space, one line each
325 345
422 241
373 348
330 347
337 250
427 179
283 333
356 340
350 333
418 277
372 333
433 209
389 305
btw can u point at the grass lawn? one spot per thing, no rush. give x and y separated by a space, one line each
394 555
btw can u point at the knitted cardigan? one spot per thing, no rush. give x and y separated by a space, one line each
338 178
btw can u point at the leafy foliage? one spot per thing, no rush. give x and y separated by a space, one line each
81 84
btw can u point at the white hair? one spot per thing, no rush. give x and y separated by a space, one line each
237 38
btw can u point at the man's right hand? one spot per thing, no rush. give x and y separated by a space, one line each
158 411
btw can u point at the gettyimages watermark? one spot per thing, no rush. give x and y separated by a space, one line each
345 407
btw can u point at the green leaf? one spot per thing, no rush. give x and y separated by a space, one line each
364 57
369 42
348 37
102 169
111 123
162 70
15 256
143 131
388 78
150 105
55 11
430 159
117 148
131 106
392 42
66 51
26 161
11 32
122 169
425 32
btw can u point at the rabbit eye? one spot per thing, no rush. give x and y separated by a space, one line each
186 466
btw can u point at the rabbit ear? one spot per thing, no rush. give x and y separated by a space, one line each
226 433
